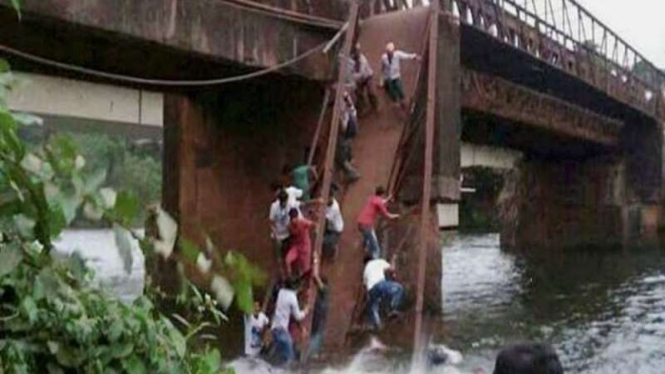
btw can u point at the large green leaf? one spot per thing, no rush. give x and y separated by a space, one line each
57 221
17 7
134 365
4 66
25 225
189 250
10 257
126 207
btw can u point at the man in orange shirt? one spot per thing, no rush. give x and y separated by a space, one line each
376 204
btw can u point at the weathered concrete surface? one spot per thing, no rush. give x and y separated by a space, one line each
570 204
213 30
563 204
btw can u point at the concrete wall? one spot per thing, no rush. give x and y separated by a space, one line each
61 97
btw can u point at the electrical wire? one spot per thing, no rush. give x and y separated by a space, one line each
158 82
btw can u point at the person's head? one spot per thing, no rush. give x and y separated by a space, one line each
292 283
283 198
390 47
367 259
257 307
529 358
293 213
380 191
331 199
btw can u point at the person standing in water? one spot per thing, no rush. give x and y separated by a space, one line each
392 74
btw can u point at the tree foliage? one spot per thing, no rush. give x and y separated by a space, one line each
51 319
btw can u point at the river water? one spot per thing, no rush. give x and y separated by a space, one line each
603 312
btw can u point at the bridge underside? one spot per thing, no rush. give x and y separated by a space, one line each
171 40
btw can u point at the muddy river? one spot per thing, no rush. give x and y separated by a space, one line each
604 313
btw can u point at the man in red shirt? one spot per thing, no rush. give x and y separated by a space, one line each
301 245
376 204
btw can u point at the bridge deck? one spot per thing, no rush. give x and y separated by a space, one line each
374 151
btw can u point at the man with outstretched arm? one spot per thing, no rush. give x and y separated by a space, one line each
375 205
392 72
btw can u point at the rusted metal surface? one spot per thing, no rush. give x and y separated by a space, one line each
373 148
213 29
329 161
565 35
331 9
485 93
418 339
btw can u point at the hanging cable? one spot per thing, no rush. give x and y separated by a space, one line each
162 82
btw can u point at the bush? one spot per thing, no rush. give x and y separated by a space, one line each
51 319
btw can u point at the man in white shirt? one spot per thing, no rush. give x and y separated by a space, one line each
286 308
334 228
379 289
279 224
392 74
255 325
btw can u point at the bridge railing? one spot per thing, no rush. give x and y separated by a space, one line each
563 34
568 36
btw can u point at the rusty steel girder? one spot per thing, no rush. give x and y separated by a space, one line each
570 38
565 35
501 98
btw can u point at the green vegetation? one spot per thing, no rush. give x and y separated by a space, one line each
51 319
127 166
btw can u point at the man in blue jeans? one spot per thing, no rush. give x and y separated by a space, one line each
375 206
380 290
285 308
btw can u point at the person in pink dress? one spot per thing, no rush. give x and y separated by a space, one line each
300 252
375 205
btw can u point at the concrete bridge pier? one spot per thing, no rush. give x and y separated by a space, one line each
611 200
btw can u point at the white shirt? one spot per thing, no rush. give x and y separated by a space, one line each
391 70
295 194
253 327
375 272
279 216
285 308
334 216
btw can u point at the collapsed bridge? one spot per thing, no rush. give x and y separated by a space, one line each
584 108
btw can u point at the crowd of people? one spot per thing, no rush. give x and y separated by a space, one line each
293 223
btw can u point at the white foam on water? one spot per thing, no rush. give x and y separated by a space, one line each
98 249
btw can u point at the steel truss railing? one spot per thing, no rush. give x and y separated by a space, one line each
565 35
